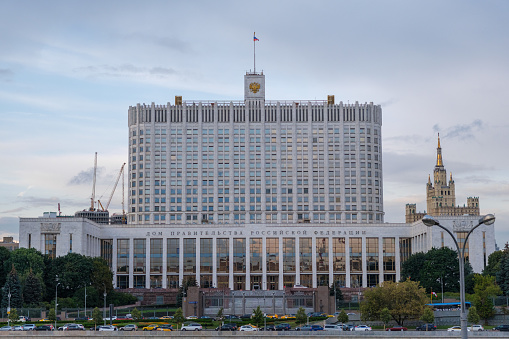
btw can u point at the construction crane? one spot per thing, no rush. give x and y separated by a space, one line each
92 199
105 208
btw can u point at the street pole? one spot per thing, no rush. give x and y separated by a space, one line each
9 308
488 219
56 300
85 300
104 309
264 314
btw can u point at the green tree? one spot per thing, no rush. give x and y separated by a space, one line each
385 316
136 314
258 316
493 263
178 317
219 314
301 317
502 276
12 286
405 300
13 316
485 289
343 317
473 317
428 316
32 291
5 254
52 315
101 275
335 290
25 259
97 316
412 267
73 271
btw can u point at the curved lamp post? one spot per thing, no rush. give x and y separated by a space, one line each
488 219
56 300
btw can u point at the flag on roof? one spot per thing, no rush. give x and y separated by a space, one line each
255 38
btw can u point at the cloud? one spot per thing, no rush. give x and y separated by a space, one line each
6 74
461 132
125 70
24 192
85 177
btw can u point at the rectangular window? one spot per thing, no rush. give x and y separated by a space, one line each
389 249
50 245
355 254
256 255
322 255
205 256
305 250
122 255
173 255
272 254
139 255
107 251
372 255
288 255
339 255
156 256
223 255
189 255
239 255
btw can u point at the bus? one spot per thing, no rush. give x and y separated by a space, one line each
455 306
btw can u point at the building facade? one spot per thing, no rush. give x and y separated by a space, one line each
256 195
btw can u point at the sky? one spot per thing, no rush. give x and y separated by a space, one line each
70 69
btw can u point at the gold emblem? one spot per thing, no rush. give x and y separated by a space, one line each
254 87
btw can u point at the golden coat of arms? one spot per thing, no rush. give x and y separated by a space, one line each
254 87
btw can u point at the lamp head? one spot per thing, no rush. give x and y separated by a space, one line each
488 219
429 221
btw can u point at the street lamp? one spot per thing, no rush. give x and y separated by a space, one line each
56 299
104 309
488 219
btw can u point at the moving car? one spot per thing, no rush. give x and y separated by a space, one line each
455 329
191 327
108 328
272 316
129 327
17 328
151 327
362 328
288 317
28 327
165 328
396 328
476 328
167 317
268 328
283 327
44 328
501 328
247 328
227 327
24 318
424 327
192 317
309 328
332 327
6 328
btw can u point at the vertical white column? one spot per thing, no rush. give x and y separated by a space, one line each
364 264
114 257
398 258
248 264
297 261
264 263
230 263
198 261
281 256
331 253
313 260
381 258
181 261
214 262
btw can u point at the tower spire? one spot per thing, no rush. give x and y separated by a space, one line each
439 154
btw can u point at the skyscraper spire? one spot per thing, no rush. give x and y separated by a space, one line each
439 154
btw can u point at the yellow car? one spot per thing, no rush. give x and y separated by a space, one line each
272 316
166 328
288 316
167 317
151 327
45 319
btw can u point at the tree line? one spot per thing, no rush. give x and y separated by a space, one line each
31 279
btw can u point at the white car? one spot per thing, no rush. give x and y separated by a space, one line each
475 328
108 328
456 329
247 328
191 327
362 328
331 327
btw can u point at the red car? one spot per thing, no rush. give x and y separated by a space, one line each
397 328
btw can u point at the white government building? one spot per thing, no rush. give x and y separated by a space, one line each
254 194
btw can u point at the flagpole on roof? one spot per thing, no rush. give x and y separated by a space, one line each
254 53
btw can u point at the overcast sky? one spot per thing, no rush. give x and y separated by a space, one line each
69 70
